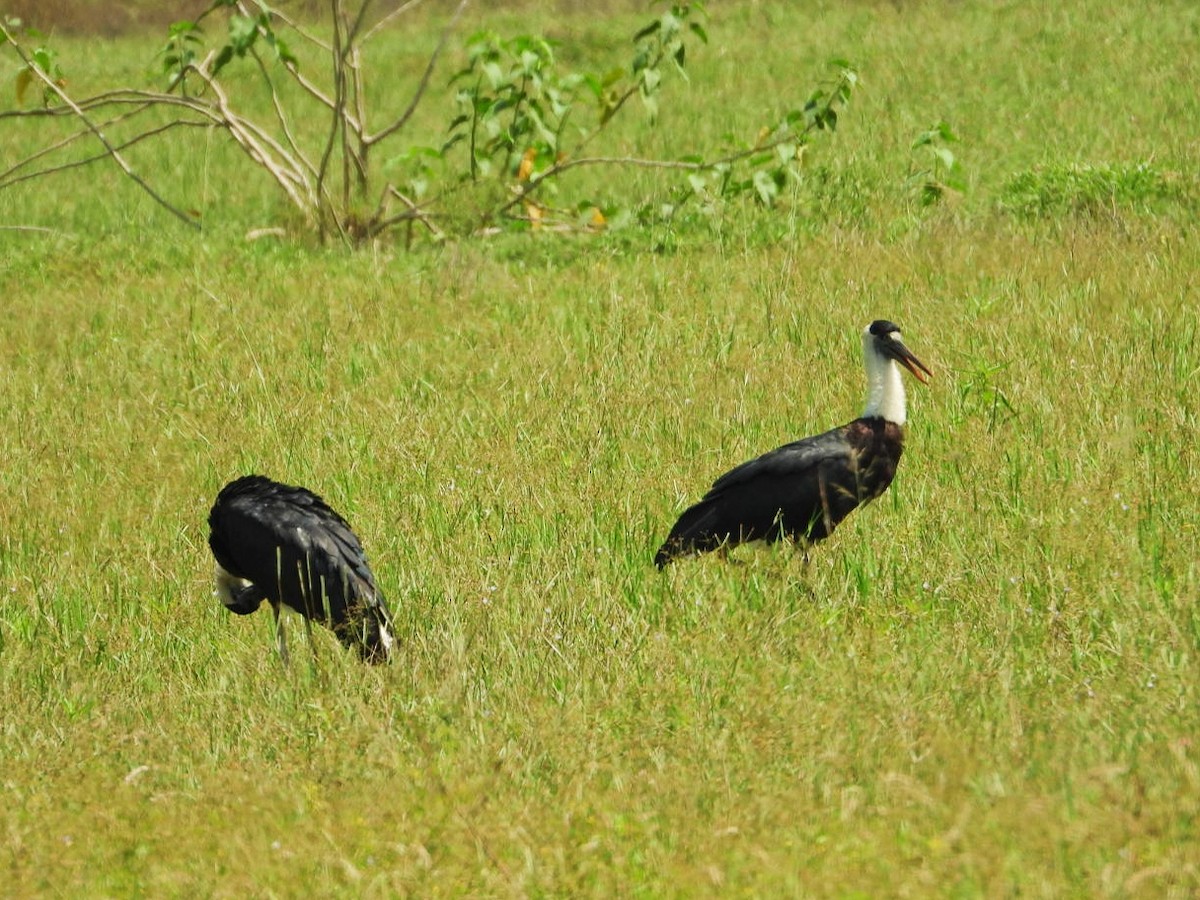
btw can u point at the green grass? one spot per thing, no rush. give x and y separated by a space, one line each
984 684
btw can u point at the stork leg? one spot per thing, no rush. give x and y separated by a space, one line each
280 635
312 645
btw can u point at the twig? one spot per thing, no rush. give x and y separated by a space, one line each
280 115
260 146
37 228
339 103
527 188
65 142
53 170
295 26
116 157
369 139
413 213
399 10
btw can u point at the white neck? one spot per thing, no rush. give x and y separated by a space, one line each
227 584
885 389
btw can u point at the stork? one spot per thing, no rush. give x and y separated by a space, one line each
802 490
285 545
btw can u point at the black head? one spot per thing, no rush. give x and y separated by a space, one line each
882 328
886 336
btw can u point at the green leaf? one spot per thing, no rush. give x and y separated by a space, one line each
612 76
698 30
223 58
494 73
648 30
765 187
530 62
453 140
282 52
651 103
242 34
945 156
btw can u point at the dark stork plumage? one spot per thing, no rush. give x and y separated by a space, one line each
285 545
804 489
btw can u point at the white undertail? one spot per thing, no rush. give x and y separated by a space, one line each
885 388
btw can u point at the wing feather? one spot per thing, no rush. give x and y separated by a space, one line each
294 547
786 491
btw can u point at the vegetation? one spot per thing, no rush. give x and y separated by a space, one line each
985 683
1053 190
522 122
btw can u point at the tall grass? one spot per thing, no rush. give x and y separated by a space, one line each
985 683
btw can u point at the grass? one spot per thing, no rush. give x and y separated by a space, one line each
984 684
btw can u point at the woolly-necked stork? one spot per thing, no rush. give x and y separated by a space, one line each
285 545
804 489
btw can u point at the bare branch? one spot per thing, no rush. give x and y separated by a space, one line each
382 23
339 98
281 116
526 189
352 33
7 182
309 87
123 96
412 213
116 157
369 139
36 228
295 26
66 142
262 148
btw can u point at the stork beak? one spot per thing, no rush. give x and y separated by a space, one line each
896 350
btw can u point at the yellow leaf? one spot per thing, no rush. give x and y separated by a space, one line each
23 79
535 215
526 167
598 221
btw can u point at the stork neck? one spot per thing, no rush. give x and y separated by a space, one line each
885 389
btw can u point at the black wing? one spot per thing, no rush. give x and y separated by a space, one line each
802 489
297 551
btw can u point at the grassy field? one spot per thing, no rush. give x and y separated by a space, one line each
984 684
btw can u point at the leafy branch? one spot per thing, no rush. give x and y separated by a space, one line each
938 177
40 66
520 123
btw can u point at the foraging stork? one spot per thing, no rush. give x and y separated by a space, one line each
284 544
804 489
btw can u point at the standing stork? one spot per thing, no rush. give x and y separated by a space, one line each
285 545
802 490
